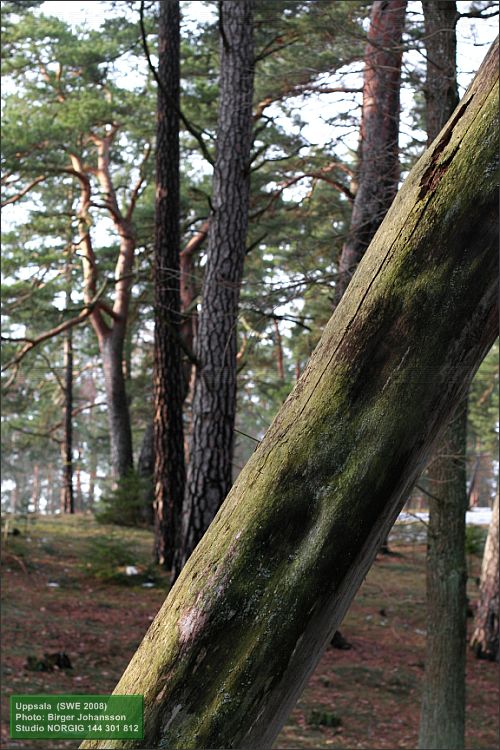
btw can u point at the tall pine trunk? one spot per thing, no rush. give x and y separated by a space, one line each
169 467
35 488
442 717
484 639
110 335
246 622
378 173
214 404
120 433
145 471
67 449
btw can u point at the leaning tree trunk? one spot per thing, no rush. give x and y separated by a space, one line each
378 171
214 404
168 376
484 639
379 154
442 716
246 622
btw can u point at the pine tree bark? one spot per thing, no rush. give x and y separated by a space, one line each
484 639
442 718
14 497
377 173
67 452
92 479
35 488
245 624
379 154
214 403
442 715
279 351
169 467
145 470
111 346
441 92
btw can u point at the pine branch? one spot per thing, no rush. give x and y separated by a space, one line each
22 193
138 185
32 343
479 14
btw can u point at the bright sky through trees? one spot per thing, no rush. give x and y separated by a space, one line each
319 112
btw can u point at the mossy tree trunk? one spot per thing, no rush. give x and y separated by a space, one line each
246 622
484 639
378 172
442 717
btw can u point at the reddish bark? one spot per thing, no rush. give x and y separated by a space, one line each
279 351
379 156
484 640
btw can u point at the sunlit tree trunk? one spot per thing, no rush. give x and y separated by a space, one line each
484 639
14 497
279 351
247 620
378 171
109 323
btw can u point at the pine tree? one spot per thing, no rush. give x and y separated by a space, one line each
246 622
169 470
61 128
211 452
442 718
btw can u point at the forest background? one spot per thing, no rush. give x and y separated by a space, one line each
302 191
79 245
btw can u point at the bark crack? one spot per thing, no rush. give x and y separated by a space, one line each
436 169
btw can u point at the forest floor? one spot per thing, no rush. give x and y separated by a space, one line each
65 589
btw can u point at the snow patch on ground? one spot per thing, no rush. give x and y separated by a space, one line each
474 517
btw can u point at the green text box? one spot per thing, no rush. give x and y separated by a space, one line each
47 717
